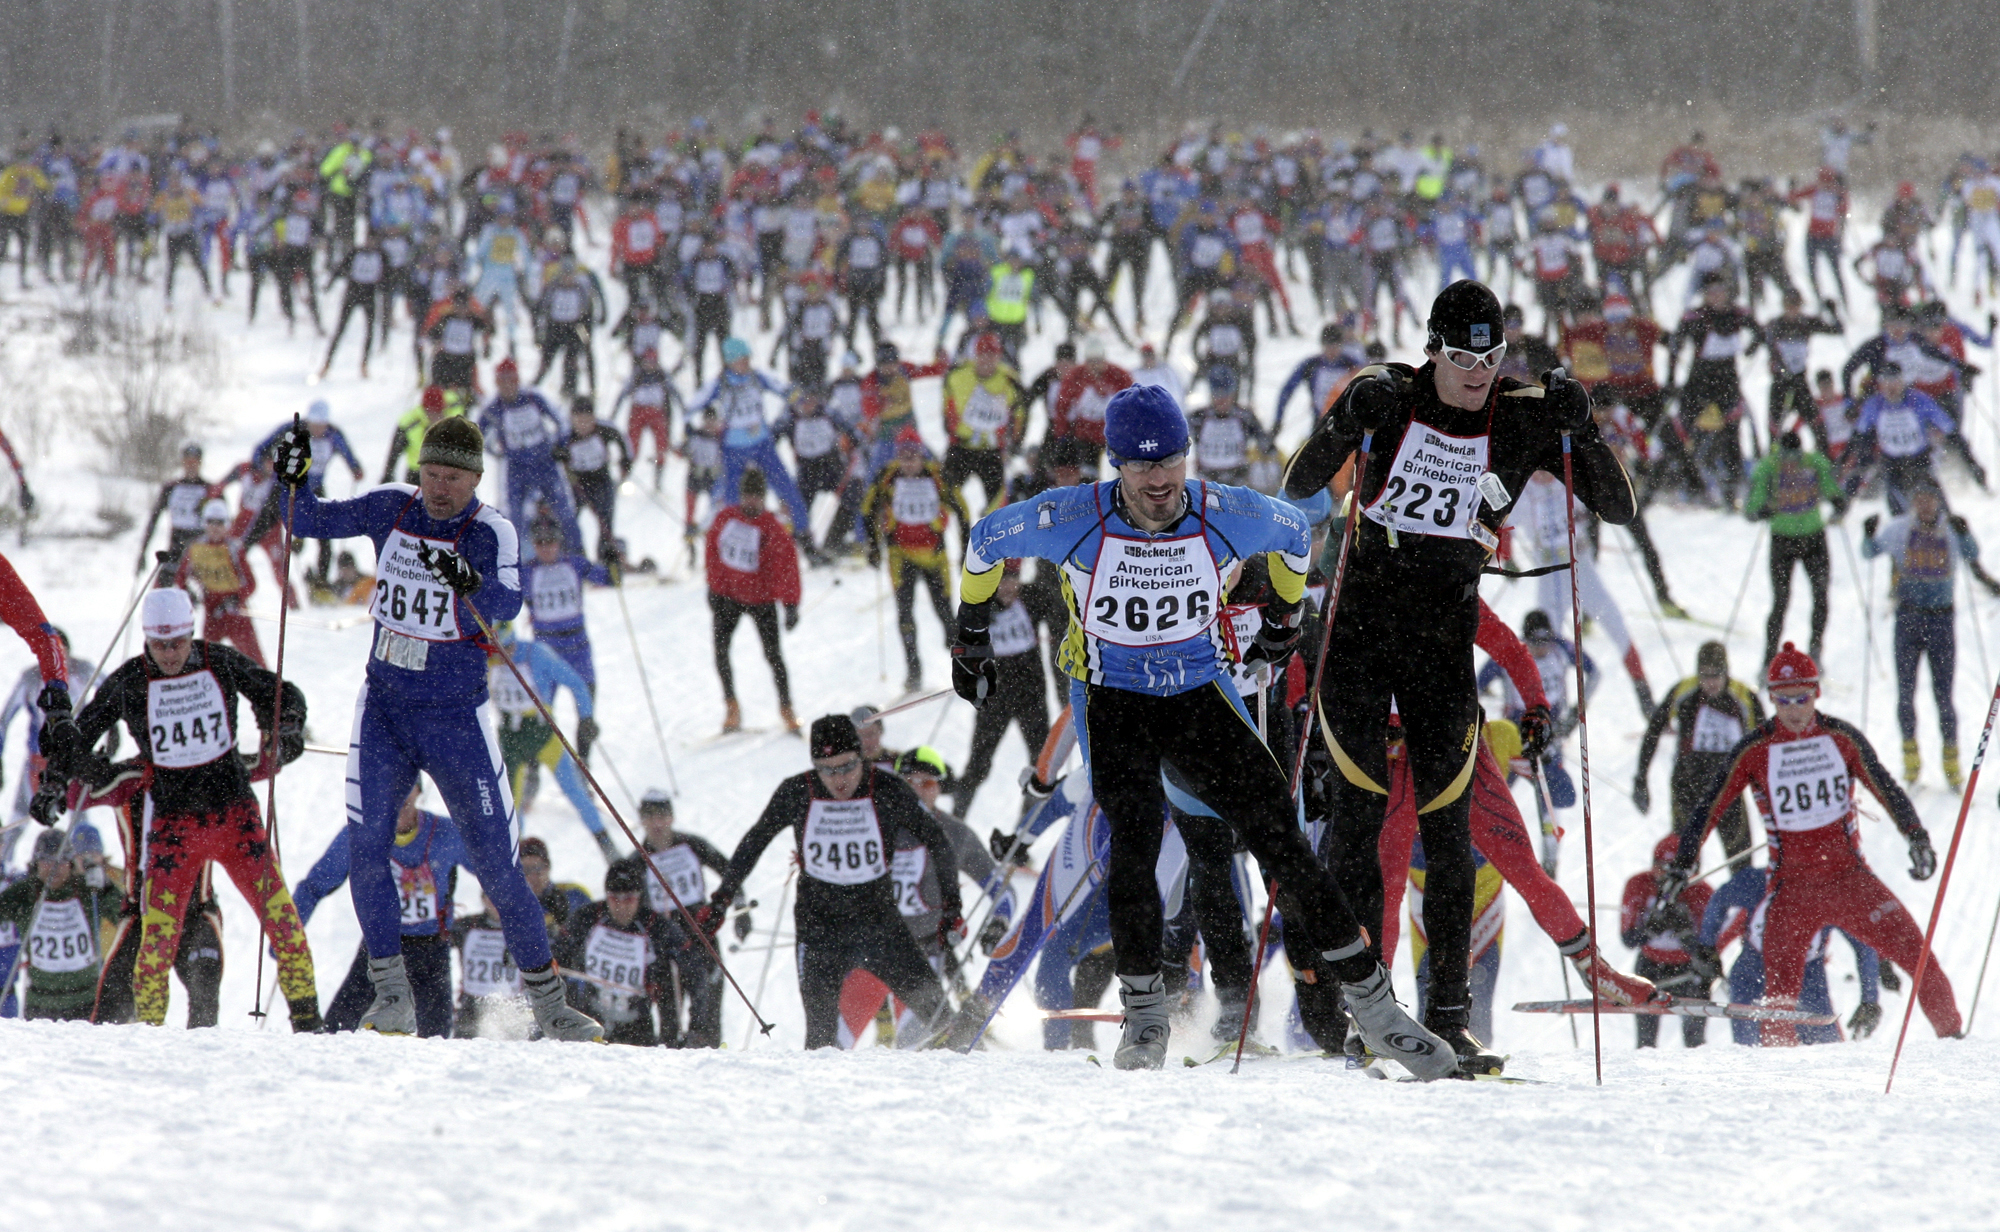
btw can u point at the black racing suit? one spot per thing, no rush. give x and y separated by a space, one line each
1404 632
1022 693
621 995
699 979
1702 754
846 914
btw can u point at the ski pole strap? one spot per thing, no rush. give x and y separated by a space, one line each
1525 573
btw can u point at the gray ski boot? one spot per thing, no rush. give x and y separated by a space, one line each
394 1011
1387 1027
552 1011
1143 1044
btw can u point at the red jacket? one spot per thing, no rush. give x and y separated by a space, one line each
19 609
1505 648
1080 399
752 560
1663 947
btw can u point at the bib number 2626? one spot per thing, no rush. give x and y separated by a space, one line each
1138 614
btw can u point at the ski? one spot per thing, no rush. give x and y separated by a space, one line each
1686 1007
1087 1014
1507 1079
1252 1051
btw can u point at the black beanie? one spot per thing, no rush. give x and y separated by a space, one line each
455 442
832 735
625 876
1466 316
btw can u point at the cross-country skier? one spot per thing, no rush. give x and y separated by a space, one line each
617 956
681 859
440 554
1710 712
521 427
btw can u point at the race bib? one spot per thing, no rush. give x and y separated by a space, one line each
843 842
1794 353
1433 485
618 959
1222 445
640 235
906 873
417 888
1714 731
1012 631
1090 405
556 594
588 454
62 940
1241 622
1809 784
186 720
408 600
408 653
522 426
683 871
814 437
865 252
1900 433
367 267
1721 346
915 500
1148 592
489 970
986 415
1206 253
504 689
1225 340
740 543
565 304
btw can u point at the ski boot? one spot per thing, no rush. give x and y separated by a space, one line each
1952 777
914 681
394 1011
1229 1017
732 717
1913 762
1612 984
1143 1043
305 1015
965 1027
552 1009
1385 1026
605 845
1320 1014
1449 1023
791 720
1672 610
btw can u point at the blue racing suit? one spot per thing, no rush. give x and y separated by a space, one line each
525 433
554 594
747 439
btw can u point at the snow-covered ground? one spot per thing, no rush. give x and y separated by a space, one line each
247 1128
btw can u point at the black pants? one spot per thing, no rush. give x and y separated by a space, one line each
906 573
183 245
1130 736
198 962
1763 264
1022 697
821 474
1790 395
287 264
1677 979
1135 251
1787 550
568 339
727 613
808 365
884 949
701 991
920 274
1380 651
1211 891
711 319
1692 778
1651 555
598 492
428 961
1926 633
962 462
359 298
864 299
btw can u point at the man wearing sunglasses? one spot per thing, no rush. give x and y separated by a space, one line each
1409 607
1143 558
842 813
1802 767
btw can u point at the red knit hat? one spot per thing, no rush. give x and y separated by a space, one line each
433 398
1791 666
507 367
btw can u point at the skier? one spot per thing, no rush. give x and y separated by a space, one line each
1021 691
181 502
58 913
1143 558
177 698
586 457
1667 936
1712 398
521 427
552 584
737 395
753 568
842 814
1803 767
427 855
985 417
364 268
906 507
616 955
1322 376
435 406
1709 712
1732 913
650 393
1787 486
1426 534
1225 433
680 858
1896 428
419 715
327 442
527 742
221 575
489 982
1926 546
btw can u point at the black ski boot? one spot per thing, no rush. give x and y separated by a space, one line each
1321 1014
1229 1017
1450 1023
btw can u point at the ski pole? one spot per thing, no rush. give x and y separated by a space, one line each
777 923
1546 804
912 704
700 933
881 628
1306 728
645 683
277 704
1061 913
1944 884
1867 583
1583 746
1978 627
1980 986
1659 620
1749 568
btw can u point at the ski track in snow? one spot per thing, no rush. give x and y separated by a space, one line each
257 1129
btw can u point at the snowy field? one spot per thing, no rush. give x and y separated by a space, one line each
244 1128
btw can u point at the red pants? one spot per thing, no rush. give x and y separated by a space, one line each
177 847
230 624
648 419
1498 833
100 247
1843 892
1258 258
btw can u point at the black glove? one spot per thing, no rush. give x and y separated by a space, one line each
874 553
587 733
708 917
1706 963
292 456
1870 524
1672 882
974 674
1890 980
62 744
742 926
1958 524
450 569
53 701
791 617
1867 1016
1923 857
1538 728
1032 785
1642 795
951 929
1000 843
1370 402
47 806
991 935
1565 402
291 741
27 500
1275 638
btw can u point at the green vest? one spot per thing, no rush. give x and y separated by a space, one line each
1007 301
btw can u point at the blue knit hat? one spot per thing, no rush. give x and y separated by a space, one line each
1143 423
